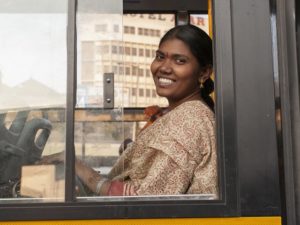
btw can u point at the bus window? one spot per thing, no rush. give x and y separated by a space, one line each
121 47
103 71
32 99
114 54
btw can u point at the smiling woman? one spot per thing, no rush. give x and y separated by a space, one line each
176 154
183 62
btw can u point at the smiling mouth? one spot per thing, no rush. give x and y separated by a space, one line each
165 81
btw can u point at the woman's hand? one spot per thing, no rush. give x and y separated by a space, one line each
53 159
123 145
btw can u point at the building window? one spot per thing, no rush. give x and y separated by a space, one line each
127 51
114 49
133 91
134 51
148 74
126 29
147 92
157 33
129 30
141 92
141 52
146 32
121 69
149 32
152 32
140 31
121 49
127 70
132 30
141 72
148 53
134 70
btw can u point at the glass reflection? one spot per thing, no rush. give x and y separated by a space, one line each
101 49
32 98
176 154
201 21
99 132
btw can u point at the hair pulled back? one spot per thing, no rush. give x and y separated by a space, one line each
200 45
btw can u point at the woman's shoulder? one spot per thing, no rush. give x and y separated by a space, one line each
189 115
191 118
194 109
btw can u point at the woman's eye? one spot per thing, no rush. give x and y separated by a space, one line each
159 57
180 60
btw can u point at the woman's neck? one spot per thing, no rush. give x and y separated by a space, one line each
193 96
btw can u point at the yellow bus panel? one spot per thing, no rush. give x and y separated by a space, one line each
188 221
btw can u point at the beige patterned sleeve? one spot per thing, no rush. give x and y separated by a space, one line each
175 155
164 178
180 156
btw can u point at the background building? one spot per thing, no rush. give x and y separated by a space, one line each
125 46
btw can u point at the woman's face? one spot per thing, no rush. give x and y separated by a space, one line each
175 71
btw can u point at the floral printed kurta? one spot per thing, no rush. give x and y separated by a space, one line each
175 155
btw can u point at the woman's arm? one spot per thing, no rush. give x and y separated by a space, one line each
91 178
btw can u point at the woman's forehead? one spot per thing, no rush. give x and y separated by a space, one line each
174 47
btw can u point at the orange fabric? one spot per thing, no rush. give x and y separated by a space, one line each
151 114
119 188
116 188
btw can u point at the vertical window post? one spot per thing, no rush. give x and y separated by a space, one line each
71 101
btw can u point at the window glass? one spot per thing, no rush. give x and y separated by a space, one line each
201 21
99 29
33 65
37 110
142 33
100 74
100 133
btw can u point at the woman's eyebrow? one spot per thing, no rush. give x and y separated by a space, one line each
174 55
179 56
160 52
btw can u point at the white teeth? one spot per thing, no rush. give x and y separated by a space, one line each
165 81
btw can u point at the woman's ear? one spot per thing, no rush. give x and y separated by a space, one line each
205 74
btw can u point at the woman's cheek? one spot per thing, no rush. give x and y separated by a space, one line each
153 67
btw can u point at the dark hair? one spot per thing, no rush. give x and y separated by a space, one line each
200 45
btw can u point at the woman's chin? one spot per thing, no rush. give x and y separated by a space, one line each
163 94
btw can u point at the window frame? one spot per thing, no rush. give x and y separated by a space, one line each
227 205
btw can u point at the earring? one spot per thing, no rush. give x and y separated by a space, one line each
200 82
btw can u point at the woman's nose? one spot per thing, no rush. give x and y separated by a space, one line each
165 67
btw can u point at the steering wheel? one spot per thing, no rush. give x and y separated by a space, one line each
22 143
